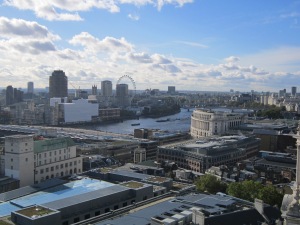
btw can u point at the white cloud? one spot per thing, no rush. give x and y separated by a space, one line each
32 53
68 9
14 28
192 44
133 17
232 59
285 58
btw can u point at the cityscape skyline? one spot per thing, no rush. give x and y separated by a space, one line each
193 45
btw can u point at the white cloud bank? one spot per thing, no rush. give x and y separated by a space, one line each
68 9
30 53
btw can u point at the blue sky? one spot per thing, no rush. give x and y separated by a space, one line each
196 45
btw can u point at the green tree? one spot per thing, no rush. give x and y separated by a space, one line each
209 183
270 195
249 190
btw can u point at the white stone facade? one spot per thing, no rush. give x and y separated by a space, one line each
207 122
19 158
35 161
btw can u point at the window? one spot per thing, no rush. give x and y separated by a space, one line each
11 167
66 164
54 152
40 156
45 154
70 163
107 210
65 223
41 171
86 216
116 207
26 159
52 168
26 144
76 219
11 159
124 204
61 166
50 153
45 161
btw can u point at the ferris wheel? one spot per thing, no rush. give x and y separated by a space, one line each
126 79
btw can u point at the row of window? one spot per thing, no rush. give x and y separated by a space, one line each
50 153
61 166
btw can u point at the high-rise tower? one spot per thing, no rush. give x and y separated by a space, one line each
9 95
294 91
291 203
58 84
106 88
122 95
30 87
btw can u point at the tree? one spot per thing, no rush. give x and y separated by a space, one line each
209 183
249 190
270 195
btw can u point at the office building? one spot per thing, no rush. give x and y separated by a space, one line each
30 87
33 161
122 95
106 88
80 110
9 95
58 84
199 155
294 91
171 90
13 95
208 122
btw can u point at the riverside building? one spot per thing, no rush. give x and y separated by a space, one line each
208 122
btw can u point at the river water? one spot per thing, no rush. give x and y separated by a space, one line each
177 122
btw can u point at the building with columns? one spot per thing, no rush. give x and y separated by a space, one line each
208 122
291 203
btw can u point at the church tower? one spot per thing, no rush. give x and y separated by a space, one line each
291 203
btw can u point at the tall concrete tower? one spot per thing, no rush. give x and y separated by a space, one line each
30 87
58 84
122 95
294 91
291 203
9 95
106 88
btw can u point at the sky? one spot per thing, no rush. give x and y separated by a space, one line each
196 45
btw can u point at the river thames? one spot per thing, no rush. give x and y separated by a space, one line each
177 122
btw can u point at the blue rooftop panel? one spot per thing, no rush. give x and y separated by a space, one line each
61 192
6 208
52 194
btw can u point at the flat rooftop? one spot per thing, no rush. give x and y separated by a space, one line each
71 189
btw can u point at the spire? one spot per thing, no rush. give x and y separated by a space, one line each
293 209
